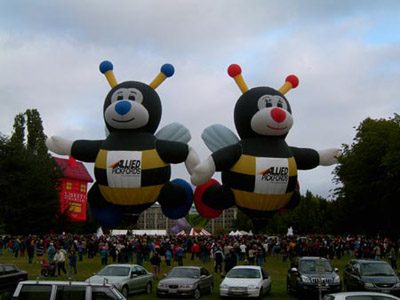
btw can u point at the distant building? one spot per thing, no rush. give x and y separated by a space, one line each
154 219
73 188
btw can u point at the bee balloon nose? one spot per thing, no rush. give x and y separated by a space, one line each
122 107
278 115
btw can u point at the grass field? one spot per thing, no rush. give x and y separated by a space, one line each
276 268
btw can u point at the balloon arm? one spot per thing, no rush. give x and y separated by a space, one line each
329 156
59 145
86 150
172 152
192 160
203 171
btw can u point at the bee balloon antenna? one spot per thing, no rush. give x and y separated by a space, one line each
236 73
167 70
106 68
291 82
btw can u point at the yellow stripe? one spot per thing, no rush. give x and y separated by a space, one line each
101 159
292 167
150 160
131 196
261 202
245 165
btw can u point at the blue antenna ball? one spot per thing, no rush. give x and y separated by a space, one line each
106 66
168 70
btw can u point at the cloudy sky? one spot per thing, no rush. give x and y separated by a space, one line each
345 53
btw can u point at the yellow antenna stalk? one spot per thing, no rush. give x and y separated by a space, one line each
167 70
236 73
106 68
291 82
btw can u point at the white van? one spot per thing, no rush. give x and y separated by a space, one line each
54 290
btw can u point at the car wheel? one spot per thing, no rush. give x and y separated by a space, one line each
345 288
269 290
125 291
148 288
260 296
288 288
197 293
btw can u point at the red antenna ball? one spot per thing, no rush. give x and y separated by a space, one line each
234 70
293 80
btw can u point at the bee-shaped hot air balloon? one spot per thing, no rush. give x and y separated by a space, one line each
132 165
259 171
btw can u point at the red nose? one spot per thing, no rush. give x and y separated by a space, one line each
278 115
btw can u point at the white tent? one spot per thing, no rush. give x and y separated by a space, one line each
231 233
181 233
202 232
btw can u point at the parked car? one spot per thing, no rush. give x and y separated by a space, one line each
245 281
359 296
186 281
52 290
311 275
10 276
370 275
127 278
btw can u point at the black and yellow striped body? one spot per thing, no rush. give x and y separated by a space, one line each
265 176
128 169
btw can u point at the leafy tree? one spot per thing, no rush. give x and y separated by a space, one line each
28 179
369 171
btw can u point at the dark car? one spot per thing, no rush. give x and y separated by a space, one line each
186 281
370 275
10 276
311 275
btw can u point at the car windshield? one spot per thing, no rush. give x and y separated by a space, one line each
184 272
315 266
243 273
376 269
114 271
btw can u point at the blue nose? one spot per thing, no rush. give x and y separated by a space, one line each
123 107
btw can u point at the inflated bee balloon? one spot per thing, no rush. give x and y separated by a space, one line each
259 171
132 165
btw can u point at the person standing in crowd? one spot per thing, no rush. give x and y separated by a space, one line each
155 265
39 247
16 247
104 256
31 250
377 252
51 251
59 259
168 256
218 259
260 256
72 262
393 258
179 255
251 255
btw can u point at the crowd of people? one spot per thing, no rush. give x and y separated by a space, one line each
224 250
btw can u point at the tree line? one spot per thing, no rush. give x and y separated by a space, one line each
366 201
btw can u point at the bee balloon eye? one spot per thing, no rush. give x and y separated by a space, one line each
132 98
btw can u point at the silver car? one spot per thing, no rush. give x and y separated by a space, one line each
360 296
52 290
186 281
126 278
245 281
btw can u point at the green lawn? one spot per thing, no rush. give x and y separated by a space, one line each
276 268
